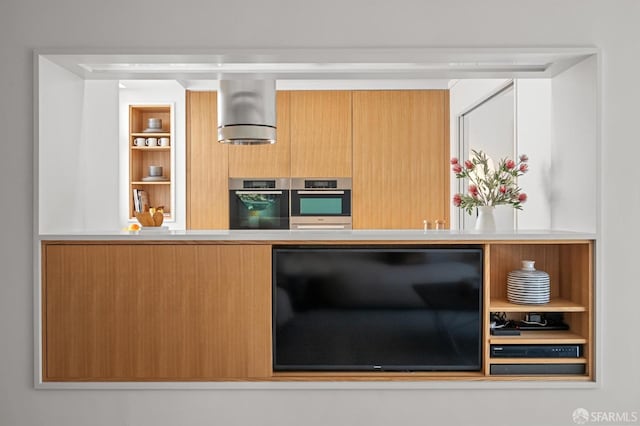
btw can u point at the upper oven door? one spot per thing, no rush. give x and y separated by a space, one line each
315 202
259 209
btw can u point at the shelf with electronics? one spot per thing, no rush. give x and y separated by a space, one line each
151 146
570 268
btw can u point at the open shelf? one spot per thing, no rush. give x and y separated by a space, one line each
151 148
537 360
151 134
554 305
158 193
540 337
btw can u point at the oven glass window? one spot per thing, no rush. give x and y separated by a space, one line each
321 206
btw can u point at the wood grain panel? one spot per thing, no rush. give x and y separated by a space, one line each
207 165
156 312
266 160
400 159
321 133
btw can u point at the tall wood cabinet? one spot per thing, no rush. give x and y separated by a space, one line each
207 165
321 133
400 158
151 312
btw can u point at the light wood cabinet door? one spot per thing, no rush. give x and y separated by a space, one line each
151 312
321 133
265 161
400 158
207 165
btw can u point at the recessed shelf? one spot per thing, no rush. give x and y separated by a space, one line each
555 305
151 148
537 361
540 337
151 134
141 182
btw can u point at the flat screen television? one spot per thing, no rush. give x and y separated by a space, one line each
372 308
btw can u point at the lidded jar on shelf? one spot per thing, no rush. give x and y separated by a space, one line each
528 286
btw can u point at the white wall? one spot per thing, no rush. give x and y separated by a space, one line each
155 92
78 154
612 26
573 152
533 137
61 102
533 111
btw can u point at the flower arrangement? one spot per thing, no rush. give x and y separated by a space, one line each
490 187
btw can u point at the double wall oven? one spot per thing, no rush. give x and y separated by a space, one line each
320 203
297 203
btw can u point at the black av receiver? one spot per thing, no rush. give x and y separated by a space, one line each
536 351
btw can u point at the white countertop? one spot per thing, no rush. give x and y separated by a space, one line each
318 235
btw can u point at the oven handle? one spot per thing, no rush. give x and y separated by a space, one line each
320 192
257 192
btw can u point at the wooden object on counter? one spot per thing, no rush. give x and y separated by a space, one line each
151 312
400 158
266 161
321 133
207 165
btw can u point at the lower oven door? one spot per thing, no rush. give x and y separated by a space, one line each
259 209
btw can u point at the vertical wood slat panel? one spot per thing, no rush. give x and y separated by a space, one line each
321 133
207 165
400 159
266 161
157 312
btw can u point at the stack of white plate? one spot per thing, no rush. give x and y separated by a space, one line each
527 285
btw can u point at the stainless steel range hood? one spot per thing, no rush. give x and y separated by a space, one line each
247 112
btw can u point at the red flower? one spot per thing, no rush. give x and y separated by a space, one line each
454 160
473 190
522 197
468 164
524 168
524 158
457 199
503 189
456 168
510 164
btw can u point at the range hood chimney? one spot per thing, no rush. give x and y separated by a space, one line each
247 112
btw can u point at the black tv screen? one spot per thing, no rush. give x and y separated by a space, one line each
377 308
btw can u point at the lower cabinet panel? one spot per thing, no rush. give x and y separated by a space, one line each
151 312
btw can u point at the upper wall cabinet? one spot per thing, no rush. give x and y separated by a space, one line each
400 158
262 161
321 133
207 165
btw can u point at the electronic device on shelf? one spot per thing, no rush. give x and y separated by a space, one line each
536 351
502 326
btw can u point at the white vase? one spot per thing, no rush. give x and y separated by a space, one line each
485 221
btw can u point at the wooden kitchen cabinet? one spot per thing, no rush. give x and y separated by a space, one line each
207 165
400 158
266 161
155 311
321 133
